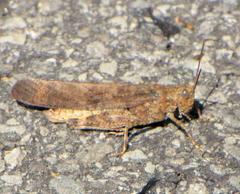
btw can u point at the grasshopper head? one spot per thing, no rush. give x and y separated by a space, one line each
182 98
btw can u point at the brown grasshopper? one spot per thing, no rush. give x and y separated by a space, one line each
112 107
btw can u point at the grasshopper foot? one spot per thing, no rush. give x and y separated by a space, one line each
125 144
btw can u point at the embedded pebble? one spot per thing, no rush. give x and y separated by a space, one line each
134 155
12 179
93 154
69 63
65 185
219 169
131 77
232 120
150 168
82 77
68 166
233 150
217 96
199 188
167 80
46 7
44 131
206 64
223 54
17 38
97 49
12 23
234 181
108 67
19 129
14 157
2 163
119 23
207 26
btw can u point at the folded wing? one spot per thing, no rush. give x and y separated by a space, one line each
82 96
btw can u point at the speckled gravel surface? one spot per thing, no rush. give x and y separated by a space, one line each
113 40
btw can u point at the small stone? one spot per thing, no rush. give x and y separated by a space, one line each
44 131
84 32
12 179
170 152
206 64
2 163
52 159
235 181
4 107
94 153
231 120
233 150
233 2
231 140
134 155
162 8
109 68
198 188
237 51
12 121
25 139
5 68
65 185
34 35
68 166
62 134
66 76
150 168
219 169
12 23
97 49
113 171
64 155
177 162
119 24
218 96
176 143
98 165
76 41
69 52
131 77
139 4
69 63
167 80
229 41
223 54
133 25
18 38
82 77
207 26
14 157
52 61
201 92
19 129
97 76
46 7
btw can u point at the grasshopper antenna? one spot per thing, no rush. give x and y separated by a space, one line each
199 63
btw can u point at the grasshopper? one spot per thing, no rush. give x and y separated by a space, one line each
112 107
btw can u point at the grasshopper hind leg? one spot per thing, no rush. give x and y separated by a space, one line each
106 123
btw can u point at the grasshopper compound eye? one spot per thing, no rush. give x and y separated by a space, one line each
185 94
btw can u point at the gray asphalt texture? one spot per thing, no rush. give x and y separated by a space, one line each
120 41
